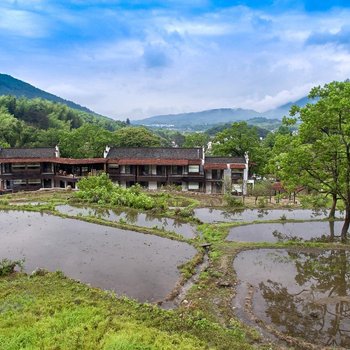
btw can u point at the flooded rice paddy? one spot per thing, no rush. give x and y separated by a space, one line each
138 265
275 232
303 294
207 215
132 217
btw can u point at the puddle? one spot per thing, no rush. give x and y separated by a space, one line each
208 215
132 217
269 232
138 265
304 294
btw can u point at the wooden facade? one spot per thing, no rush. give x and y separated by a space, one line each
25 169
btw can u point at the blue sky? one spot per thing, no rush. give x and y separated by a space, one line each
141 58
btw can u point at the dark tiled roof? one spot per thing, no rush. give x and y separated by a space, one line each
12 153
225 160
155 152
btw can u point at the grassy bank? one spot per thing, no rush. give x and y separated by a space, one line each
53 312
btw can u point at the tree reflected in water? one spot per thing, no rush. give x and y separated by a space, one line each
319 311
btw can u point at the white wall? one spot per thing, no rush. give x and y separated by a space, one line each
152 185
208 187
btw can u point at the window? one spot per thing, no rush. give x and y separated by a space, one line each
217 174
7 168
19 182
144 170
33 166
113 166
193 169
18 167
176 170
160 170
34 182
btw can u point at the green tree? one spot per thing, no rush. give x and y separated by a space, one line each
88 141
136 137
239 139
197 139
320 154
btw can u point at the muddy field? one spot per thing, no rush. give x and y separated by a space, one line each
131 263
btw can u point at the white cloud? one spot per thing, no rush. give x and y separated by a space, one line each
190 28
23 23
155 62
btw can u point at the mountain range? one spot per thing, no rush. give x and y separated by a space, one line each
185 121
206 119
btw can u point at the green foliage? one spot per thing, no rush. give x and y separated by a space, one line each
262 202
212 233
319 156
100 189
237 140
184 212
136 137
233 201
262 126
38 123
7 266
316 201
261 189
197 139
88 141
170 137
133 337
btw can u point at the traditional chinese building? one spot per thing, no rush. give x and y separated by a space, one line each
34 168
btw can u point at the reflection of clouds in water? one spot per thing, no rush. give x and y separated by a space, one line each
324 231
132 217
210 215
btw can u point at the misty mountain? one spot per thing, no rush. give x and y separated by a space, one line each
205 119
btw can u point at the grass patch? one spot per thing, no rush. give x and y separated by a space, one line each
53 312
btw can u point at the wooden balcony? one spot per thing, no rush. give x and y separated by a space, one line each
145 178
122 177
186 177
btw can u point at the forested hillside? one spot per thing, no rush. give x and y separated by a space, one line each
18 88
40 123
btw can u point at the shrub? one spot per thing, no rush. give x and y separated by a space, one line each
185 212
8 266
262 202
232 201
101 190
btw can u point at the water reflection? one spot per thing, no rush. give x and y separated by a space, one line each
132 217
209 215
138 265
320 231
304 294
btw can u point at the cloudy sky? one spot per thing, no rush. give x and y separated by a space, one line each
141 58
